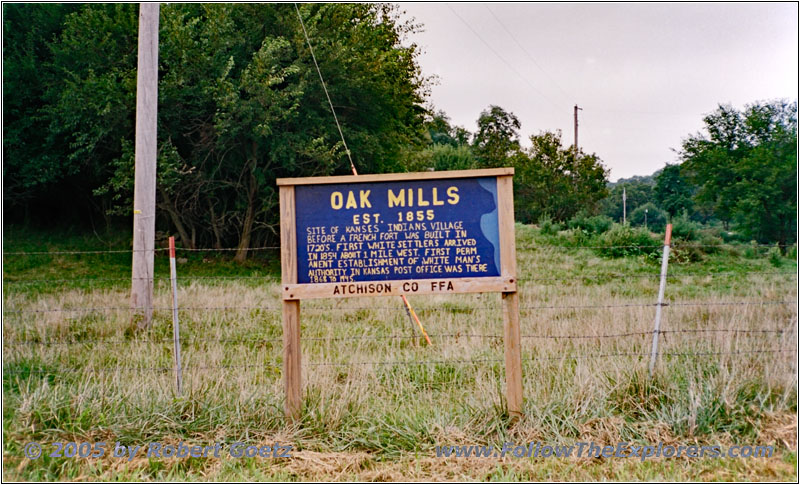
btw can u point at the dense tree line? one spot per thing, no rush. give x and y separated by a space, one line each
240 104
550 180
740 172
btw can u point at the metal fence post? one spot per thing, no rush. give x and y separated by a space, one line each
176 334
661 287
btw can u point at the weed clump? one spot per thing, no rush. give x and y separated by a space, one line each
621 241
591 225
547 226
774 255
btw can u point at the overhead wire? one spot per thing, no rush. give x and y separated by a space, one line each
324 88
522 47
551 78
508 64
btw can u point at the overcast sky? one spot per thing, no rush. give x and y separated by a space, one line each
644 74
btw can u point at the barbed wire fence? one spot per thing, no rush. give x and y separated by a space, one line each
32 342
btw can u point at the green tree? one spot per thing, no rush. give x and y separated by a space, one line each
441 132
448 157
32 162
637 193
497 139
240 103
550 179
746 168
91 110
649 215
673 191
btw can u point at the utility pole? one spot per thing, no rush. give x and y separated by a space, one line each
624 206
144 195
576 129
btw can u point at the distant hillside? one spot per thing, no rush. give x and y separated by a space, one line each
638 179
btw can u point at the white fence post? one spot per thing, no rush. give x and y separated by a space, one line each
661 287
176 334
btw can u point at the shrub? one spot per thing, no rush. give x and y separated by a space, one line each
623 240
447 157
733 237
547 226
592 225
579 221
600 224
774 255
684 228
686 254
578 237
655 217
710 244
754 250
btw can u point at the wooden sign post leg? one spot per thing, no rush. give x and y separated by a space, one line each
513 354
292 378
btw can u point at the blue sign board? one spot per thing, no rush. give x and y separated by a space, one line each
397 230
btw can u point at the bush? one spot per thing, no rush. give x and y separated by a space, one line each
751 251
446 157
441 157
709 242
733 237
623 240
685 229
579 221
600 224
774 255
547 226
591 225
655 217
683 254
577 238
715 232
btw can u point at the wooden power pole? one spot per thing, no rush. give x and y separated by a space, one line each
144 196
576 130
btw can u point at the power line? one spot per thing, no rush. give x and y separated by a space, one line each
519 44
645 113
305 33
501 57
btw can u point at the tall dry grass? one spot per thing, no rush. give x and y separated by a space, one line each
372 385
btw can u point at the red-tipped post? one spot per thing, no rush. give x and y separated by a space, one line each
661 287
176 334
172 247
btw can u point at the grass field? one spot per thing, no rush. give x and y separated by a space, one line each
377 399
